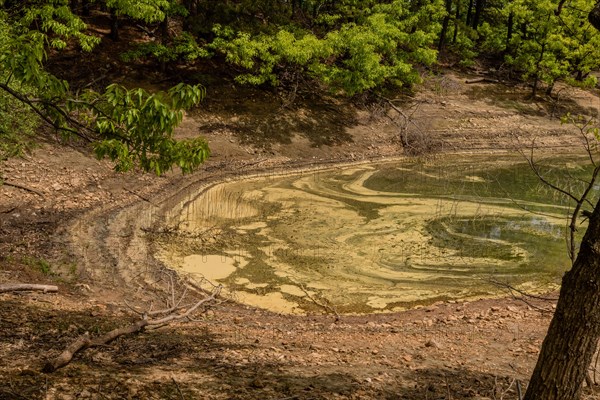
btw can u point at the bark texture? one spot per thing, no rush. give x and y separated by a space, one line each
594 16
573 334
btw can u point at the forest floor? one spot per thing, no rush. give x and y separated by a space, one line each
482 349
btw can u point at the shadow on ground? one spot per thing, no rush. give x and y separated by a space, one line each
520 100
262 119
168 364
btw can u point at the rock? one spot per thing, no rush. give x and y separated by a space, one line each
512 309
375 352
495 308
432 343
407 358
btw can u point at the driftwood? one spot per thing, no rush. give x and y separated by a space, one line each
479 80
16 287
169 316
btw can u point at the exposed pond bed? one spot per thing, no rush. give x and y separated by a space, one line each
379 237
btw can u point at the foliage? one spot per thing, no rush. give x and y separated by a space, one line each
183 48
148 11
556 45
379 48
131 127
138 128
346 46
18 125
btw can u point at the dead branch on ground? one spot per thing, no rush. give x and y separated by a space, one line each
323 305
482 80
23 187
174 312
16 287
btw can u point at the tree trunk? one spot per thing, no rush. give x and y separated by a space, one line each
164 30
536 77
456 20
594 16
114 25
480 5
509 30
445 24
469 13
164 39
85 8
575 328
549 89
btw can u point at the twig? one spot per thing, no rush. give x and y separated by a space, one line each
23 187
524 296
178 389
579 201
533 296
326 307
140 196
40 113
9 210
507 389
519 391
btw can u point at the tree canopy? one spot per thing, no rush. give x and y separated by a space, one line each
346 47
130 126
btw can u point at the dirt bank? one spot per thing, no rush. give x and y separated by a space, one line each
69 219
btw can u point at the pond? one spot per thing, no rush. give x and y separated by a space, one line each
379 237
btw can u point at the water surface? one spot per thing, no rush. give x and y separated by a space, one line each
380 237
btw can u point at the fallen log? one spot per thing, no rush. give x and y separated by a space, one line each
16 287
84 342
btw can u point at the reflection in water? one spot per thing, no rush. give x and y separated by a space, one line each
379 237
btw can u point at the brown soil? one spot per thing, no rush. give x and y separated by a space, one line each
76 226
